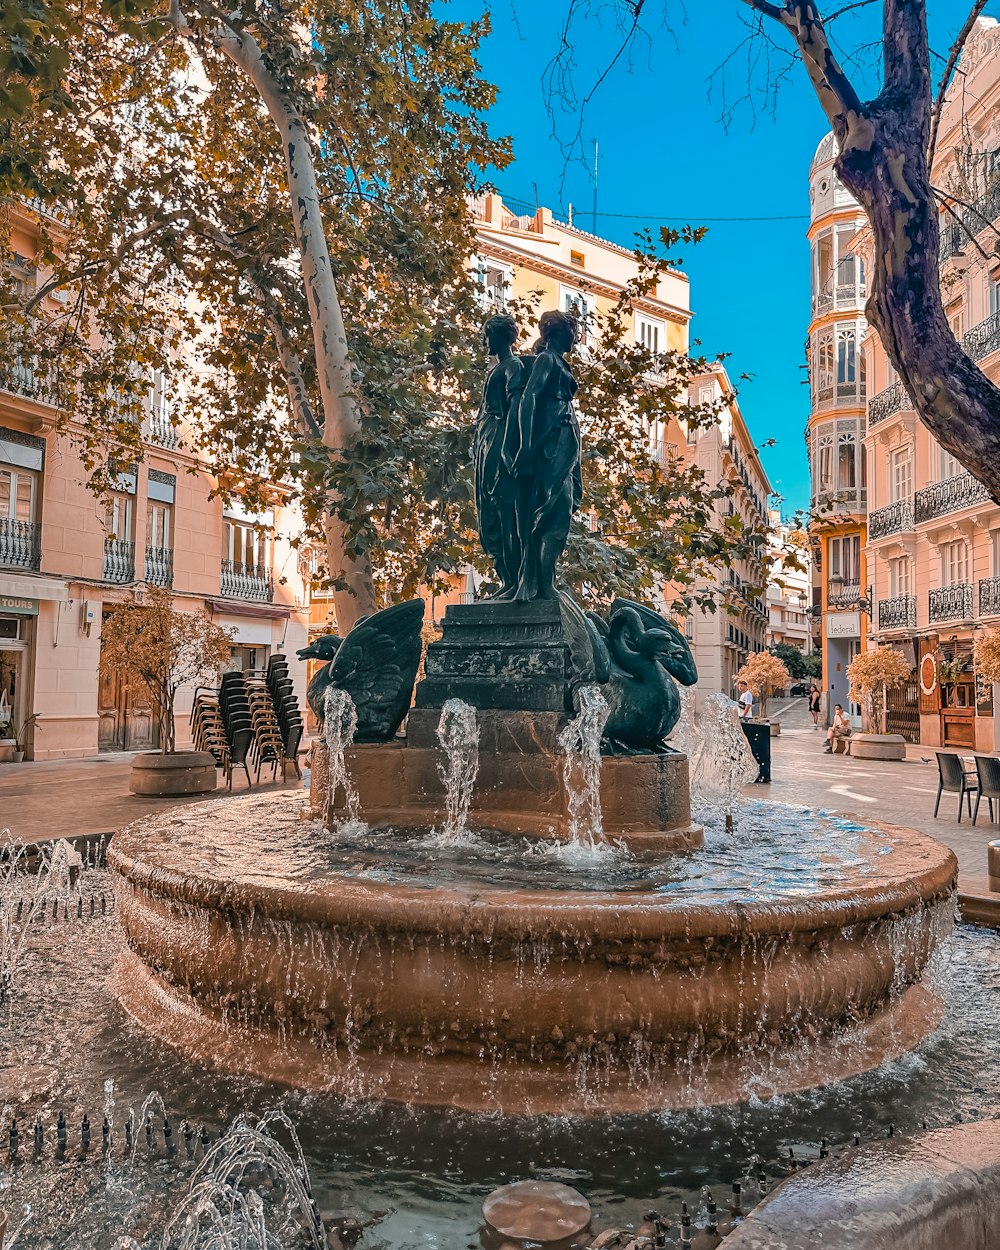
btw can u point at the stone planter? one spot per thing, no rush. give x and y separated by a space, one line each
184 772
878 746
775 728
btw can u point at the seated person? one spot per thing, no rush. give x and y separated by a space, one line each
841 728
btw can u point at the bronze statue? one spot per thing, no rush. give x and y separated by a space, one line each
495 487
545 459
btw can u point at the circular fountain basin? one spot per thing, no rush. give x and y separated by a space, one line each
490 975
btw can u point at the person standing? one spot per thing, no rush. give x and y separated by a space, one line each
841 728
745 701
814 704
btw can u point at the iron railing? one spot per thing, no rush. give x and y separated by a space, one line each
160 566
21 377
246 581
20 544
894 518
949 495
989 596
983 339
899 612
119 561
973 220
950 603
162 431
849 597
882 406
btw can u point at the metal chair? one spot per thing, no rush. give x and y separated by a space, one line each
988 773
953 777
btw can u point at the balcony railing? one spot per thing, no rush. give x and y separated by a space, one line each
975 219
949 495
160 566
983 339
950 603
898 613
848 597
882 406
161 430
989 596
119 561
892 519
21 377
246 581
20 544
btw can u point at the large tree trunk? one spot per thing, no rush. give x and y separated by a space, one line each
883 162
341 423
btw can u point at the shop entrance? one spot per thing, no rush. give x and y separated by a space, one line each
125 719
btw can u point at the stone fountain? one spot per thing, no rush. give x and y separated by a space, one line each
269 945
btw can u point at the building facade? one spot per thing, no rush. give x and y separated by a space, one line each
789 589
933 532
721 641
835 433
67 558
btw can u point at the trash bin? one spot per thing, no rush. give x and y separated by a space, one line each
759 736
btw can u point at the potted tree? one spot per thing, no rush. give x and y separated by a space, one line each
871 673
765 673
150 642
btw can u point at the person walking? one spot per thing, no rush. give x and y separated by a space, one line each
814 704
841 728
745 701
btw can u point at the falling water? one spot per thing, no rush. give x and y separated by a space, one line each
580 741
24 894
458 737
722 763
340 722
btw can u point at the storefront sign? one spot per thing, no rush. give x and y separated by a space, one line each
843 625
14 603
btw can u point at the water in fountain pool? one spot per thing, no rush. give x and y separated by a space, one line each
580 741
417 1177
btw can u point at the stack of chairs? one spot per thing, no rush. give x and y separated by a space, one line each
268 746
286 709
228 742
234 707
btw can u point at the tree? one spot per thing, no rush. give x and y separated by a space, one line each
162 649
271 206
986 654
871 673
764 673
792 658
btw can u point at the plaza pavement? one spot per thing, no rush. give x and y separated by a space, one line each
66 798
62 798
901 792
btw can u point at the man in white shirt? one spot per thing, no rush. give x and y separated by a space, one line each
745 701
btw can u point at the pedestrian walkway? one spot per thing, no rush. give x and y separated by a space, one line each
66 798
900 792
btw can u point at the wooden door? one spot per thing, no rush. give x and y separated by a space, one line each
110 711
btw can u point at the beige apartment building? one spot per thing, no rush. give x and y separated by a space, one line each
933 551
789 590
67 558
721 641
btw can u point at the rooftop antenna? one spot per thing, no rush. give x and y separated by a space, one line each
596 156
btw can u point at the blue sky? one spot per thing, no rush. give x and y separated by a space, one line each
666 152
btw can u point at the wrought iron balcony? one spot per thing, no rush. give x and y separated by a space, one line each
950 603
949 495
882 406
161 430
119 561
847 597
20 544
892 519
160 566
983 339
898 613
246 581
21 377
989 596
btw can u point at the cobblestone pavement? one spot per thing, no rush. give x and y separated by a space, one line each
60 798
899 792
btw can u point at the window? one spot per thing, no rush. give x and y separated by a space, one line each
995 553
948 466
825 463
847 362
850 269
845 559
954 563
581 307
159 525
18 489
243 543
993 293
823 272
847 471
118 516
823 365
955 320
495 281
899 577
900 475
648 334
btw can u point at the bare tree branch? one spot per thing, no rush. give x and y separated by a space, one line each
949 69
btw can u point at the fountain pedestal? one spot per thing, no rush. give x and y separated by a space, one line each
511 662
